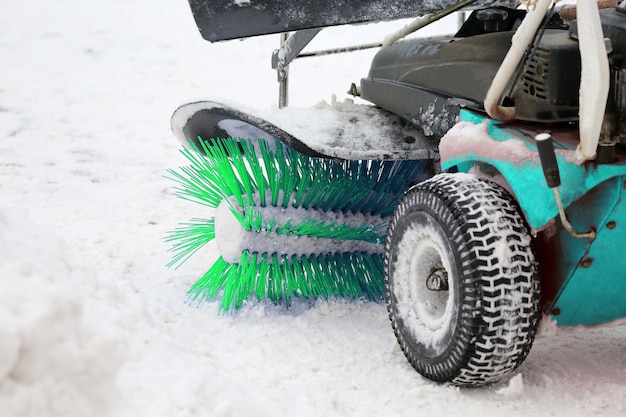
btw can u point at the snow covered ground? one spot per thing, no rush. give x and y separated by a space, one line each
91 321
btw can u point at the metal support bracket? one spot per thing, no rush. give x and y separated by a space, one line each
289 50
290 47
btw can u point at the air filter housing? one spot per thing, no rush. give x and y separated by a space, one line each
548 88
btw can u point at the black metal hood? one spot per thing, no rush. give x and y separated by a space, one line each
220 20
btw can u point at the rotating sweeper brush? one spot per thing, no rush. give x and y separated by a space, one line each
286 224
529 97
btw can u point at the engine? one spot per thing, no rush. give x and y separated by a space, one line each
547 90
427 81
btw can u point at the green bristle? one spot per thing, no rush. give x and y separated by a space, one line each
262 277
253 220
213 281
250 178
278 278
256 170
319 228
272 167
189 238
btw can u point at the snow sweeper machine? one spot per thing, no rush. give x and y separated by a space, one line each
477 189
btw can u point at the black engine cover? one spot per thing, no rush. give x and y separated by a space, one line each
549 84
427 81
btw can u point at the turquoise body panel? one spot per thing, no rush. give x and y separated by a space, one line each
594 288
588 277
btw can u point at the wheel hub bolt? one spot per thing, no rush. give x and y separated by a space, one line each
437 280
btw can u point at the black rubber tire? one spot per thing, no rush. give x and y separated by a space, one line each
483 326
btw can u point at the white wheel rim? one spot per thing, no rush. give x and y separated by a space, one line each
430 306
426 313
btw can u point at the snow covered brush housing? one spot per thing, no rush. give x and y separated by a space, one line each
286 224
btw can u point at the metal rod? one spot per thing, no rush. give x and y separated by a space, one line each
425 20
290 47
591 234
283 84
550 167
340 50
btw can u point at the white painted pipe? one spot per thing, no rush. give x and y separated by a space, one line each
521 40
594 78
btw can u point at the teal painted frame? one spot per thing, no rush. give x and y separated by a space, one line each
592 274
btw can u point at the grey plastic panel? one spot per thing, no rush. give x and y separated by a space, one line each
220 20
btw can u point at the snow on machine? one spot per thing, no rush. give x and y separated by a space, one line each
481 189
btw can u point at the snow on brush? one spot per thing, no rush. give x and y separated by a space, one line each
91 321
232 239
